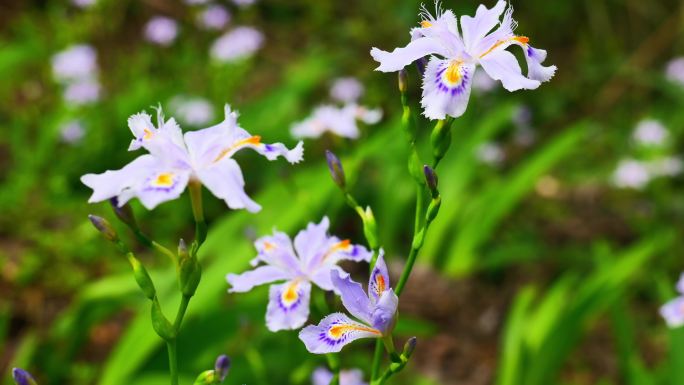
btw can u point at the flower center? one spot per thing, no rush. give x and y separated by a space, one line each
425 24
453 72
164 179
380 282
290 294
339 331
147 134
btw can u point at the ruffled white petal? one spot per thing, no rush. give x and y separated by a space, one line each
225 181
401 57
502 65
288 305
444 94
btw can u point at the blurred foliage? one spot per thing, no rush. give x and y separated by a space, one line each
572 257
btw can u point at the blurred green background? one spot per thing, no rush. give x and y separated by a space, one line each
543 267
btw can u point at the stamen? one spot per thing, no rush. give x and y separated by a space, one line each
255 140
380 282
522 39
290 294
268 246
425 24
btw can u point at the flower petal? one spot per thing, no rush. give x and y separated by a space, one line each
112 182
333 332
680 284
276 250
502 65
354 299
475 28
225 181
161 186
379 281
312 242
384 311
288 305
673 312
535 70
142 128
446 88
401 57
261 275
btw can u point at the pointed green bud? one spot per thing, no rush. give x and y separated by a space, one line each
22 377
189 270
207 377
431 179
222 366
433 208
336 169
104 227
142 277
124 213
160 324
409 347
370 228
403 80
415 167
440 139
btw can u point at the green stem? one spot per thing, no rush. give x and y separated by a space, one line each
195 189
173 360
334 364
418 238
185 301
377 359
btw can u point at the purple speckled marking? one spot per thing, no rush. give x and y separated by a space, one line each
269 147
530 51
150 187
292 306
459 89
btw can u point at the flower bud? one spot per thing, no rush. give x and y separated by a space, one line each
403 80
124 213
370 228
189 270
142 277
433 208
336 169
440 139
160 324
207 377
22 377
431 179
222 366
409 347
104 227
183 249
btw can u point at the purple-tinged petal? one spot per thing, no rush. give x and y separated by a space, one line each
321 277
446 88
475 28
673 312
322 376
288 305
354 299
225 181
535 70
112 183
142 128
379 281
401 57
261 275
384 312
502 65
313 241
334 332
276 250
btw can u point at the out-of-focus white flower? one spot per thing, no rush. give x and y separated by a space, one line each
237 44
482 82
193 111
346 90
196 2
675 70
83 3
83 91
667 166
244 3
340 121
650 132
490 153
214 17
161 30
76 62
631 173
72 131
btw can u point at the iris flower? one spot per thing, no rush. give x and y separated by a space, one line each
322 376
455 54
341 121
175 159
673 311
376 310
312 259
